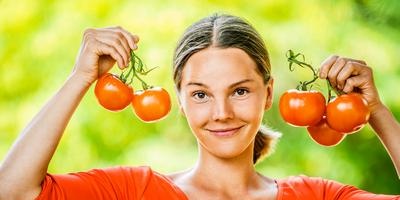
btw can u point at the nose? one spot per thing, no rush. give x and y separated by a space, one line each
222 110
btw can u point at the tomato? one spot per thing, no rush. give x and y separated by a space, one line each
347 113
112 93
322 134
152 104
302 108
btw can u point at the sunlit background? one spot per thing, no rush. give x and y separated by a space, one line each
39 41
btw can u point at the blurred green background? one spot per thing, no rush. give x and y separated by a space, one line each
40 39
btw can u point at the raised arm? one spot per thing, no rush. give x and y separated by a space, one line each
25 166
348 75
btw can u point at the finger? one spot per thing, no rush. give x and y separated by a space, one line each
357 61
132 39
326 65
114 41
351 68
353 82
334 71
120 36
105 49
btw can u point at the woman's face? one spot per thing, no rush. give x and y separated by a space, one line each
223 98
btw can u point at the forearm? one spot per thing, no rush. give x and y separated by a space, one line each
388 131
26 164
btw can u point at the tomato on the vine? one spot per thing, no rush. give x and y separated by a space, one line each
112 93
151 104
322 134
347 113
302 108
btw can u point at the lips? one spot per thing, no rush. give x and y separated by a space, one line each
224 132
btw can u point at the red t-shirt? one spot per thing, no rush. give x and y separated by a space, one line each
128 183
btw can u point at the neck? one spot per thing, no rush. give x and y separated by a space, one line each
231 175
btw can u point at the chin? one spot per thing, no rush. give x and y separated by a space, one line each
229 151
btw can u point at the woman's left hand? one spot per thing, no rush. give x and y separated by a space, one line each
350 75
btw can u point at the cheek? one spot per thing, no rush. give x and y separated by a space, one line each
251 109
196 114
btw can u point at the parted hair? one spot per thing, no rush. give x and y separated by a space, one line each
227 31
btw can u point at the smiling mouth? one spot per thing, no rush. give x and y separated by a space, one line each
224 132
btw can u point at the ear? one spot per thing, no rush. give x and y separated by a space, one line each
181 111
269 96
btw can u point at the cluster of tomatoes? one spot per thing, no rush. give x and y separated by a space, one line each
114 93
327 123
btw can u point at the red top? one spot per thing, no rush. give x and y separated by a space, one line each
128 183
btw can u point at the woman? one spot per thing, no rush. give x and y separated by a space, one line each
223 82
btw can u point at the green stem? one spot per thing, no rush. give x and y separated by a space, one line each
125 78
330 89
292 58
145 86
136 68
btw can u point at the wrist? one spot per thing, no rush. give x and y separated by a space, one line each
81 79
378 111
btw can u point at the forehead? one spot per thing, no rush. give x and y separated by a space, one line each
219 65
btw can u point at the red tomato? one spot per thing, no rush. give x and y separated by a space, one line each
347 113
302 108
112 93
324 135
152 104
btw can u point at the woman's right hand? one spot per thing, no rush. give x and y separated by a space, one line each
32 152
100 49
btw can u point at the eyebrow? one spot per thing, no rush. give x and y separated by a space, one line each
231 86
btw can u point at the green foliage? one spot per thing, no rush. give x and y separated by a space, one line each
40 39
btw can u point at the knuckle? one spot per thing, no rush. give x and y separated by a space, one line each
368 69
341 59
119 35
341 79
334 56
362 62
89 32
90 43
116 41
349 81
113 51
351 65
331 76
